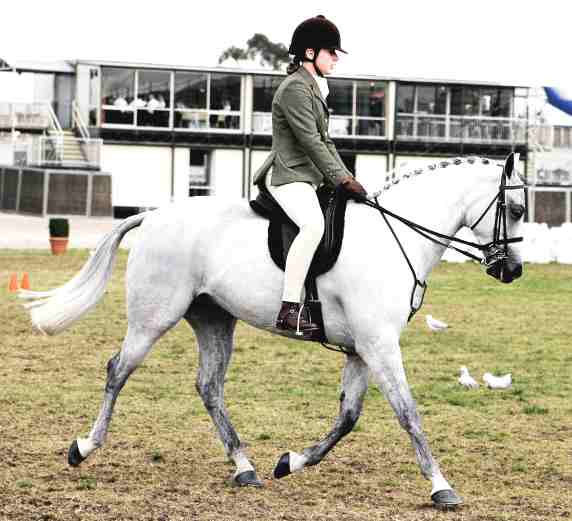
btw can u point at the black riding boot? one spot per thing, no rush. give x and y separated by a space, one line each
292 318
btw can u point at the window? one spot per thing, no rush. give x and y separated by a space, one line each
370 108
340 99
153 98
117 92
340 104
458 112
431 100
264 88
190 100
405 98
199 173
225 101
495 102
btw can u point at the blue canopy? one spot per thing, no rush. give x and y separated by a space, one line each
559 100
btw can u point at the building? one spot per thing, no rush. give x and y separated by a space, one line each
166 133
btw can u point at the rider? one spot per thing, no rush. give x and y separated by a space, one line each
303 156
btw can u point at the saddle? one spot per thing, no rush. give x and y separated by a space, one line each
282 231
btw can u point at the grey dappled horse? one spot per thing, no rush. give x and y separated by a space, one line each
206 260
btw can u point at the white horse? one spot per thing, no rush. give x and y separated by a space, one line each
206 260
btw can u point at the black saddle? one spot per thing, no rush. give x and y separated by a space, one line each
282 230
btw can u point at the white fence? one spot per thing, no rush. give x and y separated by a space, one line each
541 244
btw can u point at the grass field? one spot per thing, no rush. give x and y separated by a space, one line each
508 453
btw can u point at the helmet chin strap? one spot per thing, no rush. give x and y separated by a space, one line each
313 62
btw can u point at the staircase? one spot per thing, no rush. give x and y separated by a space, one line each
70 150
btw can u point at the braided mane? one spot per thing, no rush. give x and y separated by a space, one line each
394 177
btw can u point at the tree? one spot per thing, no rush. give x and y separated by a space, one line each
259 48
236 53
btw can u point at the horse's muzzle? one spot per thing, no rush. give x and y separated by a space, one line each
505 270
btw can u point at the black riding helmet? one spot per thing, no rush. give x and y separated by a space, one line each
315 33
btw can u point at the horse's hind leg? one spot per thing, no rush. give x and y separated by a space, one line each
214 329
354 387
136 345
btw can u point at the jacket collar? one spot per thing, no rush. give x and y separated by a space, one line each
309 79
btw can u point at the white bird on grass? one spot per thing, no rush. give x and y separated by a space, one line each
434 324
466 380
497 382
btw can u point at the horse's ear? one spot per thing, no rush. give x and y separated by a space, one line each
510 163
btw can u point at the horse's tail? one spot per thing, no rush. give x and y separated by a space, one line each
57 309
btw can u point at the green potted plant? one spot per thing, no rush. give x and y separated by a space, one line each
59 235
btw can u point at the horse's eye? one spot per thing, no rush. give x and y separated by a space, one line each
516 211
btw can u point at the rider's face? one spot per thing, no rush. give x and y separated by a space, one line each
326 61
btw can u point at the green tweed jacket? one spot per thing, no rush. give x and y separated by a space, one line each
301 148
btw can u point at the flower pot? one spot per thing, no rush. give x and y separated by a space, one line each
59 245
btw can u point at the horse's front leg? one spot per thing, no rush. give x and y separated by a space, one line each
354 387
383 357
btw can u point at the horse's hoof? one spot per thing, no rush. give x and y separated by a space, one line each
74 455
446 499
248 478
283 468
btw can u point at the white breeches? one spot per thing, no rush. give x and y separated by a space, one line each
300 202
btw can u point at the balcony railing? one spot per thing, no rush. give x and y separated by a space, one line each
178 119
25 115
340 126
460 128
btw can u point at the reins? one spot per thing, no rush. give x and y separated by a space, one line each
493 252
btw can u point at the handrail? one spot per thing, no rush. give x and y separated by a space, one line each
53 118
78 120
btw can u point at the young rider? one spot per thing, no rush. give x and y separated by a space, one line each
303 156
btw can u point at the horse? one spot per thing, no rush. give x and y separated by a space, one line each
206 261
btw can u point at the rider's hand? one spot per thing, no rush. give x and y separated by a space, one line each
353 186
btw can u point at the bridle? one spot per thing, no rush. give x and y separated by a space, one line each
495 252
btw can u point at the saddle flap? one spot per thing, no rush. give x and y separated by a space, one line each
282 231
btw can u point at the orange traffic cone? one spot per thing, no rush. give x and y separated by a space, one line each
13 287
25 281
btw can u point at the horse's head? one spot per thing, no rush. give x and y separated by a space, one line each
495 216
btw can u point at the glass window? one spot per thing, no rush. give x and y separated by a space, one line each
371 99
264 88
154 98
117 92
190 90
425 100
190 100
457 101
117 83
405 97
225 98
340 99
225 92
496 102
471 101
